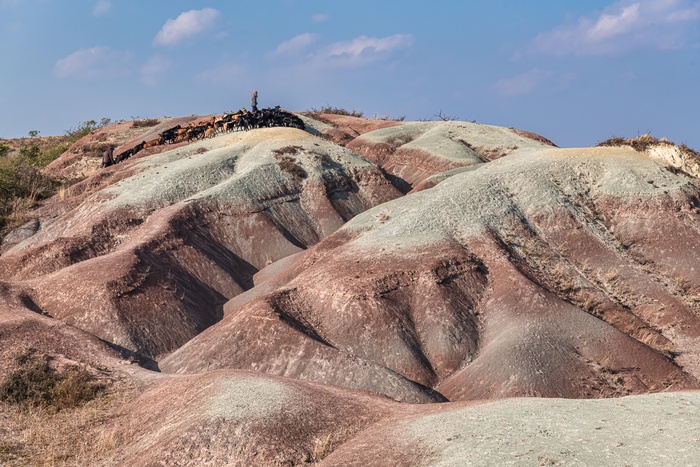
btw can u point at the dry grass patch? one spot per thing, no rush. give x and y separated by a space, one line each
290 166
286 162
52 415
82 435
292 150
646 141
328 109
145 122
35 383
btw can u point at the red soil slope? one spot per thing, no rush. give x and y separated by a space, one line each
287 292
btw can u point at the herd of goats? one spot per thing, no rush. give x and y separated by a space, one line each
241 120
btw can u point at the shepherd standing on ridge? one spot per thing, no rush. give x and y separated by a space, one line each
254 102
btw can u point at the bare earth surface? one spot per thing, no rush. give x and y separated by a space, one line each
365 292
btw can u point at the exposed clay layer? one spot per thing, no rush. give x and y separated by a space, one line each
148 262
495 283
567 273
414 151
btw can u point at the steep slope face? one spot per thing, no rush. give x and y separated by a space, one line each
147 262
22 327
540 274
412 152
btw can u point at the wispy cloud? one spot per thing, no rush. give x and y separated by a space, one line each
296 44
361 51
320 18
91 63
101 8
224 75
623 26
154 69
189 24
524 83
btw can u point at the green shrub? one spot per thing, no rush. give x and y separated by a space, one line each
85 128
22 182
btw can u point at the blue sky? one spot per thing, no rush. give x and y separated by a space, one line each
575 72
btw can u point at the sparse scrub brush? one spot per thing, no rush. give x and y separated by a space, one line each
643 142
327 109
34 383
145 122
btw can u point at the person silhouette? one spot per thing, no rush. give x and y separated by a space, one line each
254 102
108 157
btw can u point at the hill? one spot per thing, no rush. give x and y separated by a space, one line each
282 296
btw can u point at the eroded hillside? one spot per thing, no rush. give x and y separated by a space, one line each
352 270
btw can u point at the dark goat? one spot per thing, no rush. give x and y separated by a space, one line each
169 134
242 120
129 152
196 132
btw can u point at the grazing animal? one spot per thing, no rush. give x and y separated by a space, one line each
124 155
220 125
181 134
169 134
230 125
241 123
241 120
129 152
194 133
154 142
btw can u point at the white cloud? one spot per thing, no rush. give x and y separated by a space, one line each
153 69
524 83
320 18
625 25
188 24
102 8
362 50
296 44
95 62
615 24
